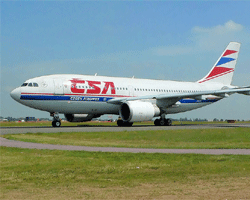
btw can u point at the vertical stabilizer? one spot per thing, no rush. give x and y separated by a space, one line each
222 71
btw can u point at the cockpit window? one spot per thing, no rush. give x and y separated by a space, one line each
30 85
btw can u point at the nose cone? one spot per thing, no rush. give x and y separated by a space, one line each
15 94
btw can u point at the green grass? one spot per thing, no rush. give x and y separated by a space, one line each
46 174
53 174
226 138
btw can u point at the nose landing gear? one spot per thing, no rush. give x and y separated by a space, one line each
56 122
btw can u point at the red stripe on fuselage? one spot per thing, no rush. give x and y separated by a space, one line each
79 94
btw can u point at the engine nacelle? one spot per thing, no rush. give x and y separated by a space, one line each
78 117
137 111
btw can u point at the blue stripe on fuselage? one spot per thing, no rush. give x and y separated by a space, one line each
63 98
92 98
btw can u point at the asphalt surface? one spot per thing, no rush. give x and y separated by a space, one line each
28 145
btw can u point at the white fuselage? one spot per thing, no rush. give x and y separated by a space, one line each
85 94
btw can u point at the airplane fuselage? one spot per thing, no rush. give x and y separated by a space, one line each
86 94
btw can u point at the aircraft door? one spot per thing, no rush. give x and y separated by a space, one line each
58 86
131 90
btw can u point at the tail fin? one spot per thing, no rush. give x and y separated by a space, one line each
222 71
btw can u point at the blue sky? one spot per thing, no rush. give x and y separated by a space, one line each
170 40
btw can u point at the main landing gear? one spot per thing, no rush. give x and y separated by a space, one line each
158 122
163 122
56 122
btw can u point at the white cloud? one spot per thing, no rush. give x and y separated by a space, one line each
207 39
212 38
229 26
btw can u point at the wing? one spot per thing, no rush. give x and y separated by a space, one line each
174 97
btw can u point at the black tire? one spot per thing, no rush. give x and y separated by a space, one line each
169 122
157 122
162 122
119 122
56 123
128 124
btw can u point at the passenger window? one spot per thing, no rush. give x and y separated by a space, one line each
35 84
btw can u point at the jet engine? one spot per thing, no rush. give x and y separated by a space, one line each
136 111
78 117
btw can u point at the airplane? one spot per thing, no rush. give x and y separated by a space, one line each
84 97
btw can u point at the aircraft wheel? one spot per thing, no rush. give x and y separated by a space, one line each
169 122
157 122
56 123
162 122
